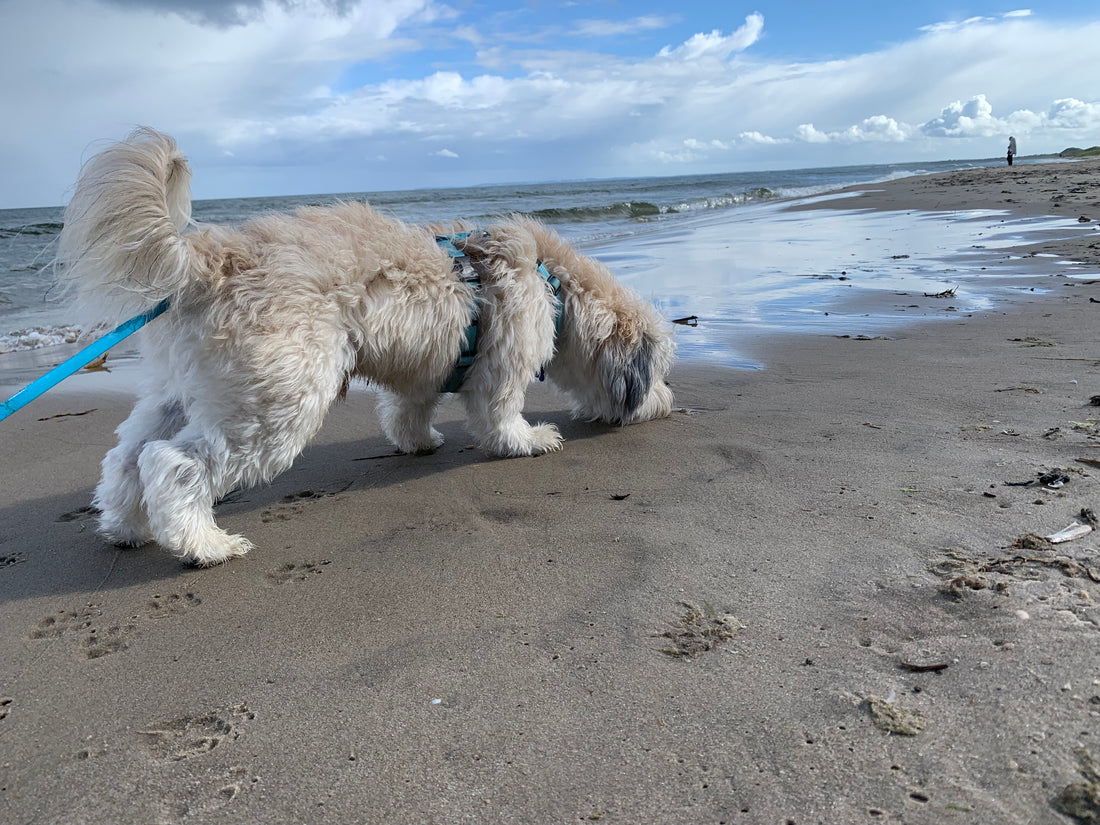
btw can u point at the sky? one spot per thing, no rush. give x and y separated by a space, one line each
283 97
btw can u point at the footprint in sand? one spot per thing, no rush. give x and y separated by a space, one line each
192 736
102 639
291 505
66 621
174 603
206 796
299 572
11 559
79 514
105 641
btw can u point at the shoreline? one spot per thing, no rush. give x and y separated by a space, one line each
24 325
455 639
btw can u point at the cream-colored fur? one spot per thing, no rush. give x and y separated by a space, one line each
269 321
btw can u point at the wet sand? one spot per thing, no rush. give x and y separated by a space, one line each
455 639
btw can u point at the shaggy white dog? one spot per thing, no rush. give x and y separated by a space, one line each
268 322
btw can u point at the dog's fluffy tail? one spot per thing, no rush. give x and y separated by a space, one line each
121 250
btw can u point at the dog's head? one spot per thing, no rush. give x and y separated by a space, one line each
613 360
615 350
633 371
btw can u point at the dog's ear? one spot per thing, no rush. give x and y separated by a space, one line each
628 376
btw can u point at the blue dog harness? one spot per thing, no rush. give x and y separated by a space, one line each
466 273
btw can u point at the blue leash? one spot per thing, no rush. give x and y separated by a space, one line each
62 371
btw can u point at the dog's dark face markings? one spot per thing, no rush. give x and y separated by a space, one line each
629 379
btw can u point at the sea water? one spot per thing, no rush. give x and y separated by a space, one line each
763 267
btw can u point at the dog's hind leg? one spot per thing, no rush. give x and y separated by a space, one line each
181 479
118 496
407 420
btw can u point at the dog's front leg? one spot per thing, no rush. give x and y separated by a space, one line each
495 417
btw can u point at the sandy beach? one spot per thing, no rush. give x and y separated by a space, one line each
817 593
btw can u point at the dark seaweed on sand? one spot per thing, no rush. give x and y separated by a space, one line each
700 629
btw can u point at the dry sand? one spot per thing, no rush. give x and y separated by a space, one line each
451 639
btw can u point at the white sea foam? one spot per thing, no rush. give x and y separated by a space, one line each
38 338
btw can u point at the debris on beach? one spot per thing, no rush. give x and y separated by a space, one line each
98 364
957 587
1070 568
699 630
924 667
1054 479
1051 479
1074 531
947 293
1031 341
1034 542
893 718
69 415
963 574
1081 800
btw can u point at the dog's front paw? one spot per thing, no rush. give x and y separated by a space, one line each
433 443
524 440
124 535
216 551
419 446
545 438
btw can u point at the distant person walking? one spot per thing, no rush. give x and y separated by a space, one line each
1011 149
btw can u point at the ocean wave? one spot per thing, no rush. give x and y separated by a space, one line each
755 195
38 338
47 228
581 214
641 210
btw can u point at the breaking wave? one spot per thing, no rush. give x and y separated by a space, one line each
642 210
39 337
48 228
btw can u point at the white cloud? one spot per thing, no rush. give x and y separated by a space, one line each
954 25
717 45
761 139
304 86
877 128
446 153
976 118
958 119
611 28
809 133
706 145
1069 113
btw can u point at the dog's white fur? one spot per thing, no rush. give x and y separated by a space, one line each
270 320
